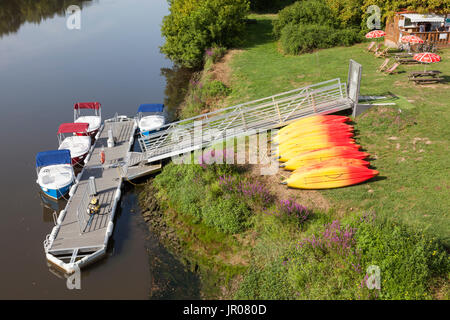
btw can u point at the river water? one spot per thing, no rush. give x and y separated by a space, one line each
44 69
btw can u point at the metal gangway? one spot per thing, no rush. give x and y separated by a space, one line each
268 113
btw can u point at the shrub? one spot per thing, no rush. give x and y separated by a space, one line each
183 186
214 89
304 12
290 211
195 25
228 215
296 39
409 261
256 192
268 283
332 264
215 53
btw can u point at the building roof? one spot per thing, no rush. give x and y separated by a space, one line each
416 17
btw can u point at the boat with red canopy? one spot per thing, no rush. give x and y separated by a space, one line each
94 120
78 143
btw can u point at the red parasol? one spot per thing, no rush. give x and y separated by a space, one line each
375 34
427 57
411 39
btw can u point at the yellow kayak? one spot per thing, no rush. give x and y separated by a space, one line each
334 176
322 140
315 120
312 129
286 156
332 162
313 157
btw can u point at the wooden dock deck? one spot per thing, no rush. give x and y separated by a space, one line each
75 241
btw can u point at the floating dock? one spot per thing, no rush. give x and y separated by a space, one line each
77 238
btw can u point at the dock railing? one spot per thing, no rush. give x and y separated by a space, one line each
83 206
267 113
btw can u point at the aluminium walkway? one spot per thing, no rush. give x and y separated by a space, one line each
184 136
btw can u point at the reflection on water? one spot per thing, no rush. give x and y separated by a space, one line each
44 69
14 13
177 82
50 207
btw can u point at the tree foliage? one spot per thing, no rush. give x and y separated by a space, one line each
14 13
269 5
195 25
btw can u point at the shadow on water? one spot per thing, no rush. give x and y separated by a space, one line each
169 279
177 84
14 13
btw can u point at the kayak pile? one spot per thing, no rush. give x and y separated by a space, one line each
321 153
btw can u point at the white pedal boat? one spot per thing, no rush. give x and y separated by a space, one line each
154 121
78 143
94 120
55 173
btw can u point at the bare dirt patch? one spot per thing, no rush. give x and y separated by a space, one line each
221 70
310 198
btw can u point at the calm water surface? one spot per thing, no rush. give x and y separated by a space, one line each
44 69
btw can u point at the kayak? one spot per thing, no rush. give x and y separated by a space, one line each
286 156
314 129
342 131
333 162
321 155
334 176
295 143
315 120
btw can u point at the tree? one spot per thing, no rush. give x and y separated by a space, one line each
195 25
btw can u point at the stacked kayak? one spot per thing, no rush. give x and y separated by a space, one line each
321 153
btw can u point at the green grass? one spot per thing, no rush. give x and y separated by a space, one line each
408 144
413 186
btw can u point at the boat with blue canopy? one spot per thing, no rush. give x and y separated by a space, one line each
55 173
153 119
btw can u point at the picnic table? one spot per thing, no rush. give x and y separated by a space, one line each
405 60
425 76
402 54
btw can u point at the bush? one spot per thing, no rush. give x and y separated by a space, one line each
215 88
332 264
268 283
195 25
296 39
409 261
306 13
183 186
228 215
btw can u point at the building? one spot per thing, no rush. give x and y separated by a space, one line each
433 28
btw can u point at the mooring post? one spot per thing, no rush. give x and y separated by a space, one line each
92 186
110 138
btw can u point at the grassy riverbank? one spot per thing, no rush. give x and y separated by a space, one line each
249 237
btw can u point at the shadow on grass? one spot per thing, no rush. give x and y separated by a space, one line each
259 32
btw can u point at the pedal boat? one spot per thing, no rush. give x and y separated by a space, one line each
151 117
94 120
55 173
78 143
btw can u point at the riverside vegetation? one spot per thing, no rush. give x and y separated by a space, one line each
248 238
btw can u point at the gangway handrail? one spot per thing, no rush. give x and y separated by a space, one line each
83 206
325 97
